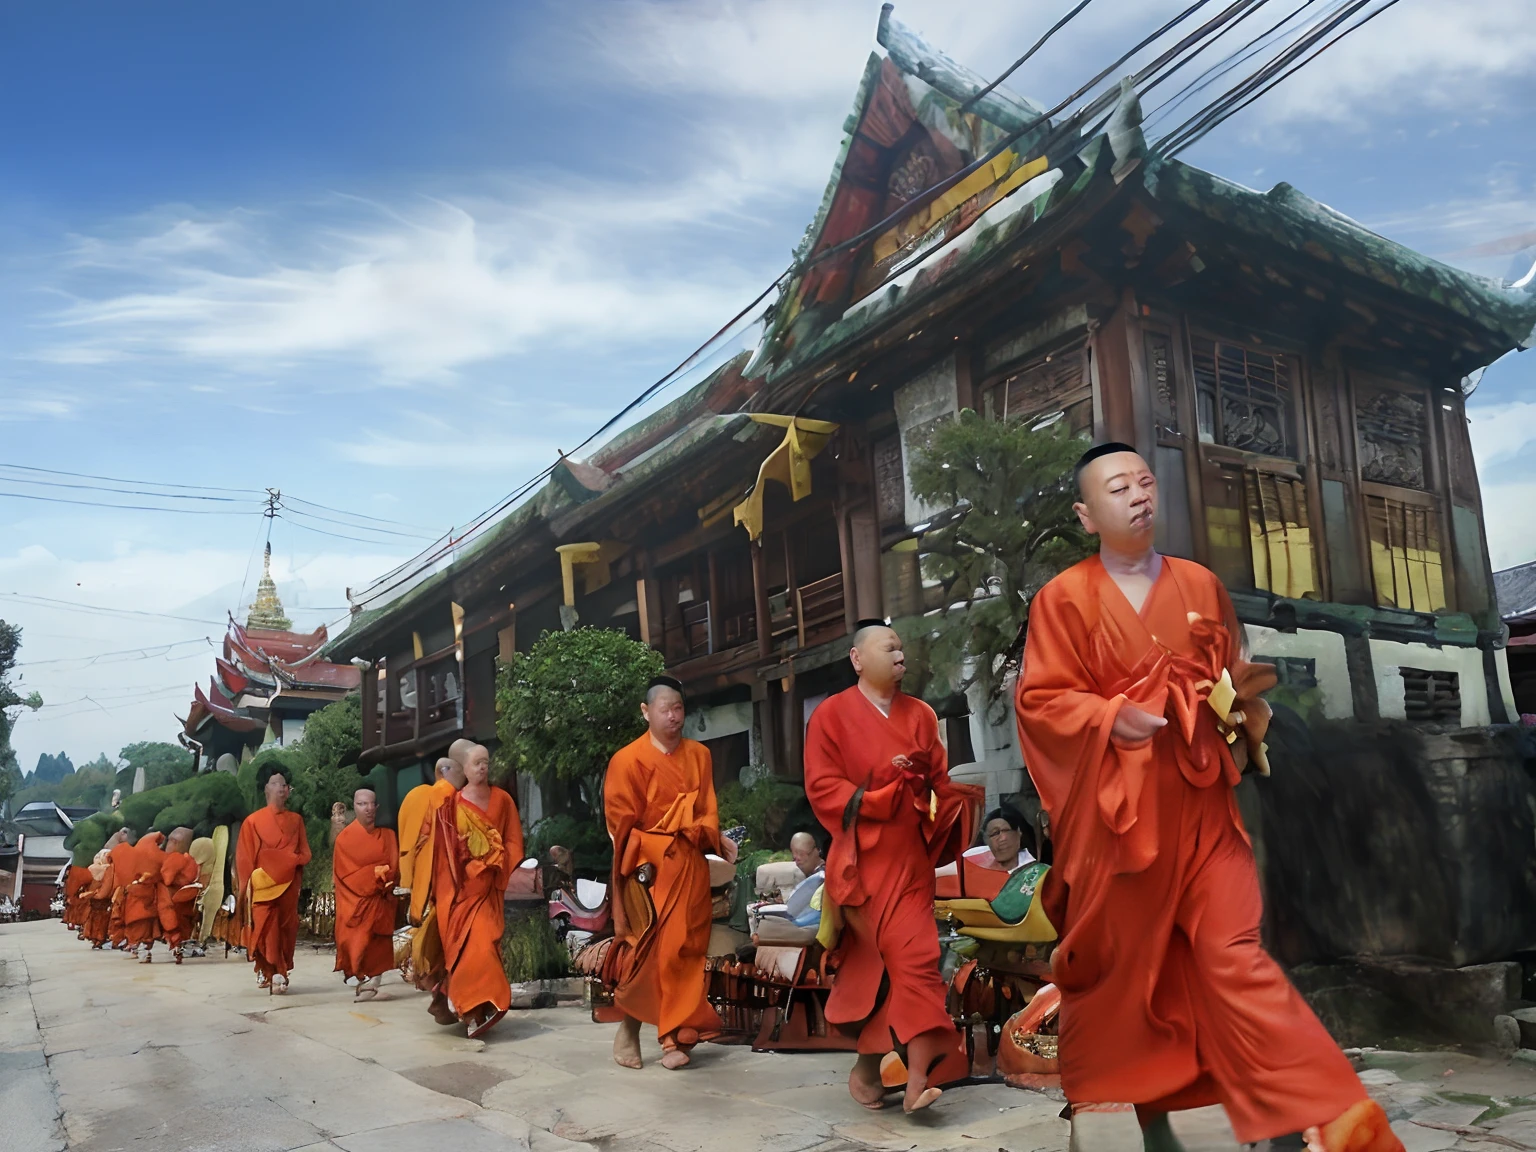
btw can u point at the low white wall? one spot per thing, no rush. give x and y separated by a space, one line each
1388 657
721 720
1325 649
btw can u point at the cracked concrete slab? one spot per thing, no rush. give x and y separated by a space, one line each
195 1057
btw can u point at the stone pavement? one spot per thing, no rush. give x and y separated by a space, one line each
195 1057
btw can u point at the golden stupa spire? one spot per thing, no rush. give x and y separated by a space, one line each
267 610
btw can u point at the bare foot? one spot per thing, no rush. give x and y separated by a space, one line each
675 1058
864 1083
626 1044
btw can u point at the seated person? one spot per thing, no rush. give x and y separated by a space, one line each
988 865
802 904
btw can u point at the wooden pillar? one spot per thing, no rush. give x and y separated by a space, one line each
849 572
714 600
760 605
370 700
1112 364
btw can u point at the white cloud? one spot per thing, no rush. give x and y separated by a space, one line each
1501 432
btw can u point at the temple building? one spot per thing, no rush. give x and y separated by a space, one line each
265 684
1296 381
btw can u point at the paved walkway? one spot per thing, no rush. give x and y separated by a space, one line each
195 1057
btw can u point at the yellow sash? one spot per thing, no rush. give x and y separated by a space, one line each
264 889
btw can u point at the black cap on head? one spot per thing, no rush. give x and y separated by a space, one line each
871 622
662 681
1108 448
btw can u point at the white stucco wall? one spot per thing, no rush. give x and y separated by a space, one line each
721 720
1388 657
1325 649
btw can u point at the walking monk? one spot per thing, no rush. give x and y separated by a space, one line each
877 775
476 844
1129 723
269 869
659 798
417 819
124 863
179 890
365 864
141 895
77 882
98 897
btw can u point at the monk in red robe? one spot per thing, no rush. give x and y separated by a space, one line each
1137 710
179 892
659 800
416 820
77 881
477 842
365 865
269 870
877 775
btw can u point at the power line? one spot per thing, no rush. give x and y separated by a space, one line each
359 527
334 535
121 491
146 652
118 480
354 515
50 602
1022 60
127 507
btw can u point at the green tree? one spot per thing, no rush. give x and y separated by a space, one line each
11 701
327 755
163 764
569 703
1013 485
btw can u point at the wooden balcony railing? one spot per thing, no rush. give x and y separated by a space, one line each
819 611
422 699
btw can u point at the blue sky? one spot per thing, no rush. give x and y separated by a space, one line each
389 257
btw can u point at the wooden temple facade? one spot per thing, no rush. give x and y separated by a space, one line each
1295 380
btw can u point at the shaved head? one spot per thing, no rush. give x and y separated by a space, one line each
458 751
1118 498
877 657
452 770
179 840
365 805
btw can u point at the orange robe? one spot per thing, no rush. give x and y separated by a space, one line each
274 843
661 811
77 883
910 818
417 819
179 890
365 863
98 904
124 870
1167 998
473 854
141 892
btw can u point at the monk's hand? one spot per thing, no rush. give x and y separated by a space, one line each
1134 726
728 850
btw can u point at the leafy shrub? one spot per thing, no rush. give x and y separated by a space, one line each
763 808
586 837
530 950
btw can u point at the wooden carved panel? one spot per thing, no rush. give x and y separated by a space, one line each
1244 398
1393 429
1165 408
890 483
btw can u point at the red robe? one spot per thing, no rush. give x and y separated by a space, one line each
124 870
473 853
98 904
661 811
275 843
1168 999
880 866
179 891
365 864
141 891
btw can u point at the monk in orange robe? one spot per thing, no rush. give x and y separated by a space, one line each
98 897
141 896
365 864
1137 710
179 891
877 775
417 819
659 799
269 870
476 844
124 870
77 881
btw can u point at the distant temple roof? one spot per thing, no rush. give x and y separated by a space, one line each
1516 590
267 610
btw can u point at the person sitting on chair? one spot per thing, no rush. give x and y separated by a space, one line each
987 866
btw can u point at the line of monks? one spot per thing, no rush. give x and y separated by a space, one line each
1138 711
